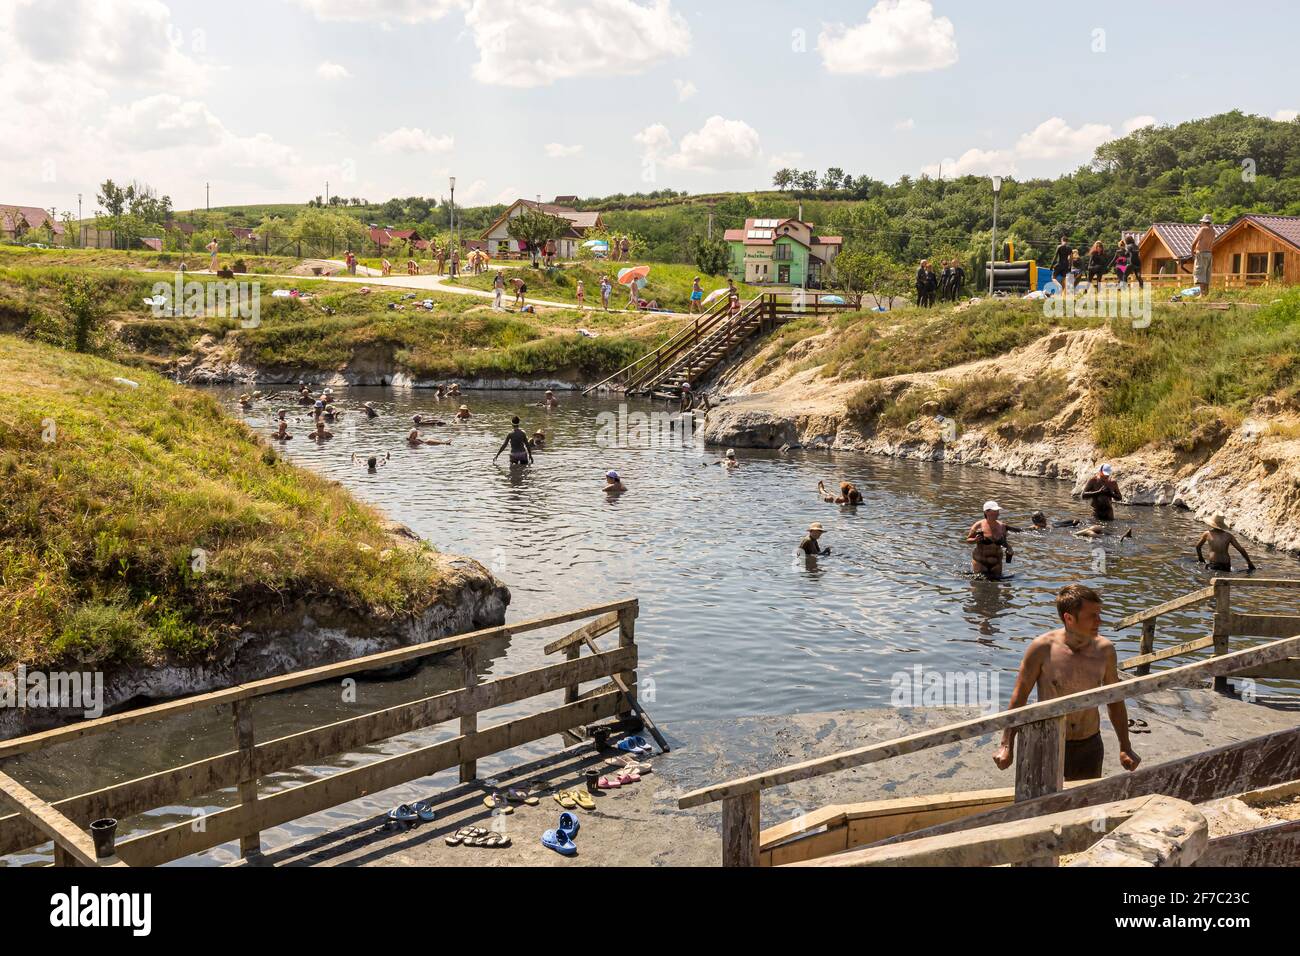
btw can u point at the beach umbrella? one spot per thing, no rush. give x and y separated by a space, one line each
593 243
833 299
635 274
715 294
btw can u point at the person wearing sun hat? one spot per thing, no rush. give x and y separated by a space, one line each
809 545
613 483
370 410
462 413
989 535
1099 491
1219 539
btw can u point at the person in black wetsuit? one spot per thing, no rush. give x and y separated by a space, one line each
1134 259
1061 267
517 440
921 282
958 280
1097 262
945 282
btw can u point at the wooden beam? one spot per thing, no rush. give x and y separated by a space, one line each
185 838
1222 772
1177 604
1177 650
1016 841
1288 669
1245 582
1277 845
469 722
65 834
126 799
979 726
1165 832
1040 765
250 843
740 830
1263 625
1147 646
594 629
315 675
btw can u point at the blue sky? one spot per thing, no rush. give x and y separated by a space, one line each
267 100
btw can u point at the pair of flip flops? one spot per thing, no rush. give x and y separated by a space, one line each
411 813
620 778
477 836
1137 725
500 801
635 744
561 838
571 799
628 762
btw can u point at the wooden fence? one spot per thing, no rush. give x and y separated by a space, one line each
37 821
1039 752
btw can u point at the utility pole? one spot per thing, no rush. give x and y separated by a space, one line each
79 226
207 196
327 192
710 222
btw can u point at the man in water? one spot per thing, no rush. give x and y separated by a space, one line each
520 453
462 413
809 545
373 461
1100 490
614 484
282 430
370 410
1099 531
550 401
728 461
538 441
413 439
1219 539
1068 660
989 535
321 433
1039 522
421 420
849 494
688 398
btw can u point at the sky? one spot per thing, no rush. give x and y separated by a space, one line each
267 101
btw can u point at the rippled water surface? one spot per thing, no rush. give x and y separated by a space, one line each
731 623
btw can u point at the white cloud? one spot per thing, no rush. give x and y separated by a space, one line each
408 139
905 125
527 43
685 90
506 196
560 151
1052 139
784 160
1286 116
1135 123
381 11
1055 139
719 144
332 71
898 36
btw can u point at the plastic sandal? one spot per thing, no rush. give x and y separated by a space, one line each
628 776
492 840
465 833
642 747
567 799
609 783
569 824
515 795
584 800
494 801
423 811
559 842
403 814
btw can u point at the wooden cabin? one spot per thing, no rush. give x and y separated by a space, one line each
1251 250
1255 250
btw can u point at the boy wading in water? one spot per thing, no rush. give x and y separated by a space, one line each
517 439
1219 539
1068 660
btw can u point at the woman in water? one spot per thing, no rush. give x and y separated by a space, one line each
989 535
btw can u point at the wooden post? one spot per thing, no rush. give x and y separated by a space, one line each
1222 613
469 723
1040 765
627 638
250 843
1147 646
62 857
740 830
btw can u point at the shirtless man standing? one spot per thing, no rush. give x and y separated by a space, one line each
1100 490
1068 660
1219 539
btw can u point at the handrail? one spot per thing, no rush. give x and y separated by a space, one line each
1177 604
977 727
689 327
753 308
668 358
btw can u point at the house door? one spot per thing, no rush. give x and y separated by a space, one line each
783 275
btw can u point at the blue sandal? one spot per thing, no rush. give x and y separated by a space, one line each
569 825
558 841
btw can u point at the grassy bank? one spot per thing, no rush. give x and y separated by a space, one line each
142 524
1177 383
462 336
669 285
139 259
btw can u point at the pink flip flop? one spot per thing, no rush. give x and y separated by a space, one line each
610 783
628 776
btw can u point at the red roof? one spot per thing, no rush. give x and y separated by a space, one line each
239 232
33 216
1286 228
828 240
1178 236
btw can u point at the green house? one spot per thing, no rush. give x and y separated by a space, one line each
781 252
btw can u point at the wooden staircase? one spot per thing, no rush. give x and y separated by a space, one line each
703 344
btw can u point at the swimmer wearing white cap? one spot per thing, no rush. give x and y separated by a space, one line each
1099 491
989 535
613 483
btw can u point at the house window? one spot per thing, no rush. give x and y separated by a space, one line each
1279 265
783 254
1257 263
1236 263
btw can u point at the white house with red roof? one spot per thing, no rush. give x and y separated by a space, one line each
497 235
781 252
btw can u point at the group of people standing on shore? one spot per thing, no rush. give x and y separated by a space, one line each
946 286
1069 268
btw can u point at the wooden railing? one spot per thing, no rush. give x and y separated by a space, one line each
684 338
243 766
1039 750
1227 624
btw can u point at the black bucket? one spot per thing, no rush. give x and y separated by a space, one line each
104 833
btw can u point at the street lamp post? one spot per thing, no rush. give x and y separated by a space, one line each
79 225
993 242
452 224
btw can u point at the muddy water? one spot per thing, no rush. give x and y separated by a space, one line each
731 622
